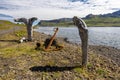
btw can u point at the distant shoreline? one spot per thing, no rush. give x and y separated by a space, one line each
95 21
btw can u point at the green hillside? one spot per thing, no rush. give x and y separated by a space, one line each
101 21
57 24
95 21
7 25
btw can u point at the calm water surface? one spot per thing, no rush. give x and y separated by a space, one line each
108 36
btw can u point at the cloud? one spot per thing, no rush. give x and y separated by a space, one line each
51 9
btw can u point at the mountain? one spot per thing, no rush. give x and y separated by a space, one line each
78 0
113 15
3 8
56 20
4 15
110 19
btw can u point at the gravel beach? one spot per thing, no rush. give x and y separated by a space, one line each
109 52
23 62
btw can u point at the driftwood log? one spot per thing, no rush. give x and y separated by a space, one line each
28 23
83 33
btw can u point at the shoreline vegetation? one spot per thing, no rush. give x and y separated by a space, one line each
94 22
21 61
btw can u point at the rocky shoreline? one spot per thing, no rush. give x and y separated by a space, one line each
109 52
23 62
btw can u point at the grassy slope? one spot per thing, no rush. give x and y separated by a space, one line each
4 25
12 34
103 21
57 24
97 21
16 59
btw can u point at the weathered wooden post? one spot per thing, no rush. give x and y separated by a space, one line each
28 23
52 38
83 33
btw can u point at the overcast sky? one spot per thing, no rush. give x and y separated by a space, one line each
52 9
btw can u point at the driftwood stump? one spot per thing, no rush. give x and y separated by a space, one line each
28 23
83 33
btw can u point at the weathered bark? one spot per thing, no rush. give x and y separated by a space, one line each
83 32
30 33
28 23
52 39
84 40
30 28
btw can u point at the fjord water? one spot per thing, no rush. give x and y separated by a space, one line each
107 36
